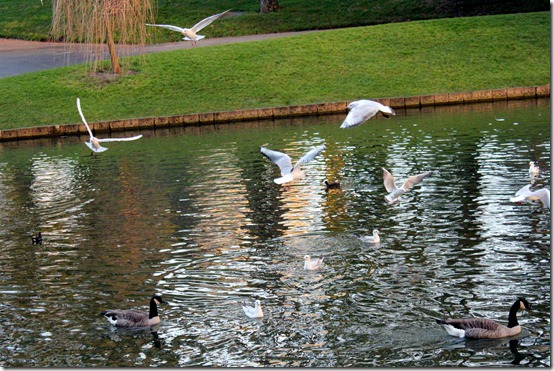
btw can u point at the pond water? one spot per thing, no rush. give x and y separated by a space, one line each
194 214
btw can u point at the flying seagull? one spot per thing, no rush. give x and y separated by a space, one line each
525 193
362 110
394 191
289 172
190 33
94 143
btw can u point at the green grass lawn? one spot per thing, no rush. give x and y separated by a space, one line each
400 59
28 19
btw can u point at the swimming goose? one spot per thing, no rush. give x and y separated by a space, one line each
135 318
37 240
533 169
362 110
312 264
94 143
190 33
371 239
288 172
525 193
394 191
253 311
483 328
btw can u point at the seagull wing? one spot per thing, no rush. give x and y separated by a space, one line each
388 180
521 194
310 155
415 179
168 26
543 194
316 263
360 113
248 310
83 117
525 191
278 158
120 139
206 21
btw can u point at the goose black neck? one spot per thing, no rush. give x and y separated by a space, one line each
512 318
153 309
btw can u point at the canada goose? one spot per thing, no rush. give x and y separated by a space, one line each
253 311
335 184
312 264
94 143
362 110
135 318
394 191
533 170
483 328
288 172
190 33
371 239
525 193
37 240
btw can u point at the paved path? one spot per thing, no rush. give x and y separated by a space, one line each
18 56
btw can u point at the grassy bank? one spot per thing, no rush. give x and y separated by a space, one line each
28 19
402 59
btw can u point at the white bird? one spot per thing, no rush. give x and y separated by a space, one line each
533 169
362 110
312 264
525 193
289 172
190 33
94 143
253 311
394 191
371 239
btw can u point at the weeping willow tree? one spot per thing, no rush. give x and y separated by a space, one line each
102 22
267 6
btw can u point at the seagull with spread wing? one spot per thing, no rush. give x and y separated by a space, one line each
94 143
362 110
525 193
190 33
394 191
290 173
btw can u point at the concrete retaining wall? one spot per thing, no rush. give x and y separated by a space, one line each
274 113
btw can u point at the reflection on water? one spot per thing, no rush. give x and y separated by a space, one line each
194 214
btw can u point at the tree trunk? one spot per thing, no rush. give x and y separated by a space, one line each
268 6
111 47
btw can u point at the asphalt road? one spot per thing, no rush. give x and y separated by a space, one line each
19 56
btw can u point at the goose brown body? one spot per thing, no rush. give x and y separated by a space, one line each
135 318
484 328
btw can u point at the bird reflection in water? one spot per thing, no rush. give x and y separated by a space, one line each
156 341
518 357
